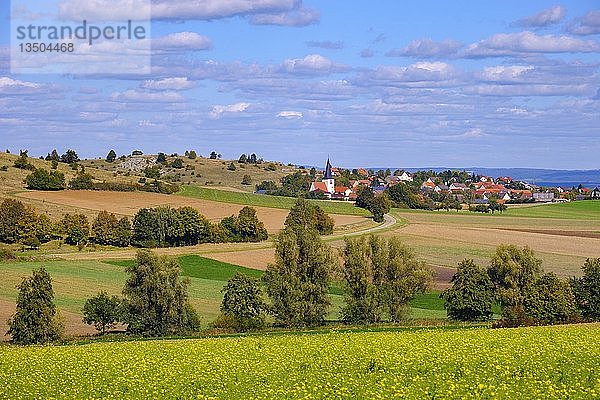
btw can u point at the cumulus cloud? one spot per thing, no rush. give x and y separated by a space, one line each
181 41
326 44
420 74
589 24
549 16
505 73
514 44
298 17
426 48
528 90
139 96
9 86
311 64
290 114
180 83
219 110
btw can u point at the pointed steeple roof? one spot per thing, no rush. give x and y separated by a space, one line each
328 174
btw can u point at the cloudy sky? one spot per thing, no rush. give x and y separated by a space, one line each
384 83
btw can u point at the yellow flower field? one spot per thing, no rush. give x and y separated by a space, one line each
545 362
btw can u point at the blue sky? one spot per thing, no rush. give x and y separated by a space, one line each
403 84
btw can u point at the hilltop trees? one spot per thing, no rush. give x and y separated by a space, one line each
156 299
111 156
471 296
36 319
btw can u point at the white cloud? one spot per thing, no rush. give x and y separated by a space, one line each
182 41
9 86
504 73
297 17
311 64
589 24
425 48
510 44
420 74
105 10
138 96
219 110
473 133
326 44
549 16
179 83
290 114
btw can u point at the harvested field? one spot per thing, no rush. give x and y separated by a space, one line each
128 203
585 234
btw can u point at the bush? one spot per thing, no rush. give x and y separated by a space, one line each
305 215
242 305
471 296
23 163
40 179
549 301
587 290
7 254
83 181
246 180
36 319
246 227
102 311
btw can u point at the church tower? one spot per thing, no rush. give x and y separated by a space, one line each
328 179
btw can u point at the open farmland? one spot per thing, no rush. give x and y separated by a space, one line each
525 363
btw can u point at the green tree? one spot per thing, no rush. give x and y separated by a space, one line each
364 197
40 179
243 158
268 186
379 206
152 172
305 215
192 155
76 228
243 303
403 276
196 228
298 282
362 280
69 157
587 289
44 229
471 296
123 233
17 221
213 155
177 163
36 319
161 158
513 270
102 311
231 167
549 300
23 162
111 156
104 228
156 298
246 180
53 156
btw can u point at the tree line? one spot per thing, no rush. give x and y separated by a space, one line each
526 295
162 226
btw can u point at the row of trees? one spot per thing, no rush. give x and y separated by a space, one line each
152 227
154 303
526 295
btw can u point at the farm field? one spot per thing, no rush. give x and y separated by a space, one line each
541 362
75 281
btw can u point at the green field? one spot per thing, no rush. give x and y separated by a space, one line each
75 281
587 209
262 200
524 363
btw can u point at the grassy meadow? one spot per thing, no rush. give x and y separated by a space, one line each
524 363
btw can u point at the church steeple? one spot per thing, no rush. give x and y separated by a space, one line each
328 174
328 178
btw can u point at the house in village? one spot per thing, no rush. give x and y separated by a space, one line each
543 196
595 194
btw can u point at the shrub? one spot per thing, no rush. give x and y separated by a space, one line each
549 300
102 311
243 303
83 181
471 296
587 289
40 179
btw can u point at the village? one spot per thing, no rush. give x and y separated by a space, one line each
461 186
